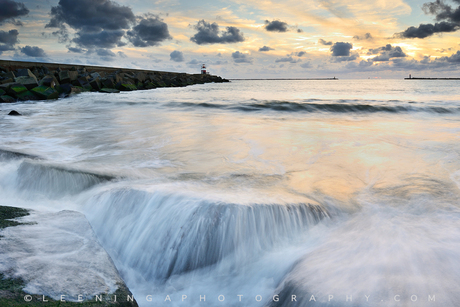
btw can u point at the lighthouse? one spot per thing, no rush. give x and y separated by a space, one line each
203 69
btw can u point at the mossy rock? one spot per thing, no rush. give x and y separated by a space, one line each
28 95
2 92
16 89
109 90
28 82
127 87
7 99
149 85
45 92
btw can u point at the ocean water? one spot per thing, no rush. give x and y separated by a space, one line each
255 193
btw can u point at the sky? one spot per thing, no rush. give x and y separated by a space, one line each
240 38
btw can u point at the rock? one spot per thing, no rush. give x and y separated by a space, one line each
64 76
2 92
73 75
83 83
27 95
14 89
107 83
95 75
24 73
49 81
7 99
95 84
28 82
149 85
9 75
45 92
109 90
127 87
9 80
14 113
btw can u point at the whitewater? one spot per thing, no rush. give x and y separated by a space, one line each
254 192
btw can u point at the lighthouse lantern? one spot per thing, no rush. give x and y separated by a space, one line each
203 69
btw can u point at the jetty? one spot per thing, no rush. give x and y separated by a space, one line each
21 81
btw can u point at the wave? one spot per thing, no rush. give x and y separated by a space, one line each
163 234
6 155
54 181
309 107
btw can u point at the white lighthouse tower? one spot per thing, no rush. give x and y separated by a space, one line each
203 69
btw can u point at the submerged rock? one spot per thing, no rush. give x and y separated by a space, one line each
14 113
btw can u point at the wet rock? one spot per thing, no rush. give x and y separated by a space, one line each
14 113
28 82
27 95
15 89
127 87
109 90
7 99
44 92
49 81
24 73
64 76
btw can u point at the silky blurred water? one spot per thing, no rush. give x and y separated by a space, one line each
337 189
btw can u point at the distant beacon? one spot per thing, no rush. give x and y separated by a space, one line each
203 69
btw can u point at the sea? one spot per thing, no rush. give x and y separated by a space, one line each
255 192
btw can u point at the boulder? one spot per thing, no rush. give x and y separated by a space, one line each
14 113
27 95
45 92
107 83
14 89
109 90
2 92
8 75
49 81
64 76
6 99
73 75
24 73
9 80
95 84
95 75
28 82
127 87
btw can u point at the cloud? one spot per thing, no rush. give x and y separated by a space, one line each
75 50
239 57
105 52
349 58
341 49
193 62
276 26
177 56
387 52
8 40
448 20
103 39
209 34
323 42
11 10
149 32
34 51
306 65
288 59
121 54
98 23
366 36
265 48
299 54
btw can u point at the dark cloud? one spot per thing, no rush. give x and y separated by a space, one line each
265 48
288 59
306 65
103 39
8 40
454 58
299 31
323 42
150 31
349 58
299 53
387 52
239 57
98 23
75 50
448 18
11 10
121 54
341 49
209 34
176 56
366 36
425 30
276 26
34 51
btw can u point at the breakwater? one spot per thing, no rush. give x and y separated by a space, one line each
22 81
